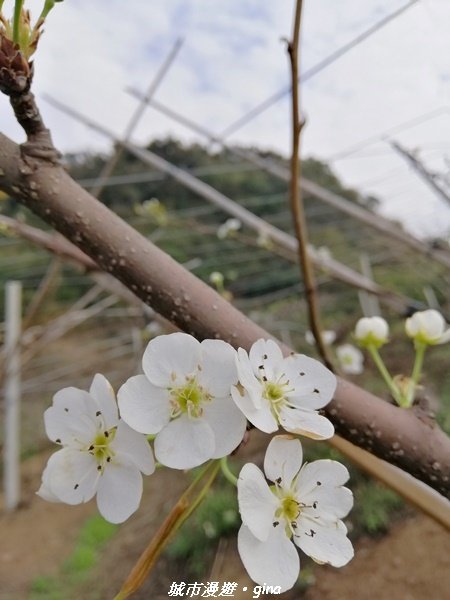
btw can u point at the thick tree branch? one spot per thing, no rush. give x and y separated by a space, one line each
410 440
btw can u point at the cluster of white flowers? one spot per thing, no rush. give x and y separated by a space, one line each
193 400
425 328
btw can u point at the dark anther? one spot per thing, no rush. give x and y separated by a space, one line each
108 459
98 413
106 433
294 525
91 447
311 533
315 504
261 367
302 373
66 409
99 468
264 378
58 441
319 483
316 391
275 523
278 480
76 486
265 356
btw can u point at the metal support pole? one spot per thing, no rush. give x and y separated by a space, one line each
11 478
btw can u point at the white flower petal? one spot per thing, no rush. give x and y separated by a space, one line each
247 378
314 385
44 491
273 562
326 544
46 494
328 337
102 392
283 459
432 322
319 473
307 423
265 353
133 448
171 356
74 401
185 443
143 406
262 418
328 503
228 424
72 416
372 329
445 337
257 504
119 492
72 476
428 326
218 372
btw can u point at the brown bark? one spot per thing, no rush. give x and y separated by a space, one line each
405 438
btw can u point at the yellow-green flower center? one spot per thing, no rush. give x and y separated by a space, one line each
189 399
274 391
101 447
287 512
347 360
290 508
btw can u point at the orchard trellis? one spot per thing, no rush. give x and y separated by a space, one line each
32 175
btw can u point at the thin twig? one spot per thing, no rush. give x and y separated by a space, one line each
296 200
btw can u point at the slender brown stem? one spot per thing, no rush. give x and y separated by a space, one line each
296 200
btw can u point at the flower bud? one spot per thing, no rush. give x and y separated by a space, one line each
427 327
216 278
372 331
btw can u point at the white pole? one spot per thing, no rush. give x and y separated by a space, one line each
13 309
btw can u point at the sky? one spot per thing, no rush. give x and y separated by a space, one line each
233 57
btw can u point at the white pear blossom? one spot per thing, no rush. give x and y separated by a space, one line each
351 359
153 328
427 327
217 278
264 240
328 337
100 454
275 391
230 227
184 398
304 505
372 331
